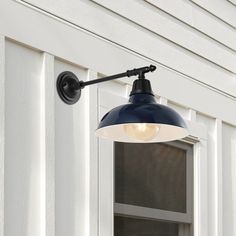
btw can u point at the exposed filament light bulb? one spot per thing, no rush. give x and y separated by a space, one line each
142 131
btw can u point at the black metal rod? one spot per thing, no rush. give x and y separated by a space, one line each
107 78
139 71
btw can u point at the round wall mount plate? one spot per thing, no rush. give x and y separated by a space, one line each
67 87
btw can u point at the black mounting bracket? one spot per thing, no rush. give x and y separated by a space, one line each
69 86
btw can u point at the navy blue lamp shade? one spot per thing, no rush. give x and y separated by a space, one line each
142 120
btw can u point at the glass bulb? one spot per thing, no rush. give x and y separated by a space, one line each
142 131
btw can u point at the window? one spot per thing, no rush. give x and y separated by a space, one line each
153 189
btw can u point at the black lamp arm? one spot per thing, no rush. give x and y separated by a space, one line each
69 86
140 71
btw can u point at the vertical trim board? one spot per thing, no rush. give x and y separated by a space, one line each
48 146
218 177
233 151
163 101
91 118
200 189
192 115
2 130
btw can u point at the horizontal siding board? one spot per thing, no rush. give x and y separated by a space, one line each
137 40
179 8
221 9
168 27
199 19
232 2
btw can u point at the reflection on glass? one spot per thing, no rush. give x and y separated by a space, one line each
124 226
150 175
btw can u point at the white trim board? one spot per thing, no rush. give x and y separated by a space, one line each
48 146
2 131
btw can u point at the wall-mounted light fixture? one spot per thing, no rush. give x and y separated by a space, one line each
142 120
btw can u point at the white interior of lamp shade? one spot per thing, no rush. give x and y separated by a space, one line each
165 133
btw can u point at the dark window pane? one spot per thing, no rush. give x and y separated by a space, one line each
151 175
124 226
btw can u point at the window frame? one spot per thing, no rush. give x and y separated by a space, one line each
158 214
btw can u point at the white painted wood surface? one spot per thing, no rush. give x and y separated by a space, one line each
92 60
23 170
229 180
70 166
221 9
2 130
200 19
92 162
48 145
218 176
56 179
137 39
162 24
